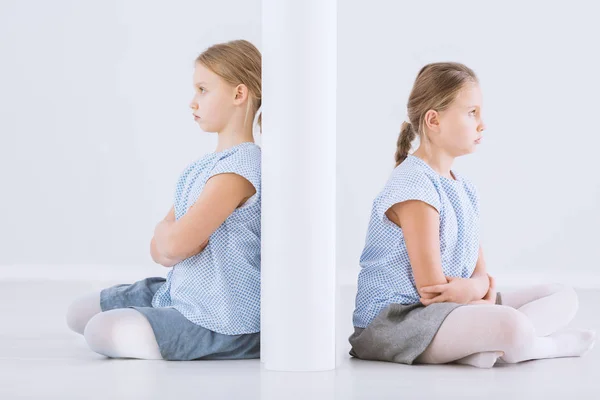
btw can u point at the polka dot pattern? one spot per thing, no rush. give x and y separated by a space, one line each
219 288
386 275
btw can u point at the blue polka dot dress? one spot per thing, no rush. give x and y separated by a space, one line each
219 288
386 274
390 322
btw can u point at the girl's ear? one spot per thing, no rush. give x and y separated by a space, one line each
432 120
241 94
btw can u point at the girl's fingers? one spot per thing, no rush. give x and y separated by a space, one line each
438 299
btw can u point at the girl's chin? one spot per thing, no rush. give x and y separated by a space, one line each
202 125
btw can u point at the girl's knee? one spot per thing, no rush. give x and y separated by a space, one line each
122 333
99 333
567 295
73 317
81 311
570 294
515 329
553 288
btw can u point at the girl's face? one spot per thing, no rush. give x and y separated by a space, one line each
214 100
461 124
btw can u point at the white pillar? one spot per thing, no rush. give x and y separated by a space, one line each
299 48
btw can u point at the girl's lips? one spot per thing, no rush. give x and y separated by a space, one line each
478 140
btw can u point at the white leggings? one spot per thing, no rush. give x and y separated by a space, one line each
119 333
526 327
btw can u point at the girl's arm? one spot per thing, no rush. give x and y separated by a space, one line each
187 236
480 277
157 257
490 296
420 223
163 259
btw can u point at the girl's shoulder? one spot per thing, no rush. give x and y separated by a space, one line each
408 181
247 153
243 160
411 173
245 156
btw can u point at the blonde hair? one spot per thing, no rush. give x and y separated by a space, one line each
237 62
435 88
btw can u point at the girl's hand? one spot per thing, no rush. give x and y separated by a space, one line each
457 290
490 297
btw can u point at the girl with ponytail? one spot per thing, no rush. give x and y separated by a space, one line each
424 292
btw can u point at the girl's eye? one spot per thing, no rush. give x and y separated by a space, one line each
473 112
201 89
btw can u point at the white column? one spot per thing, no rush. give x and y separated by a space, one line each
298 184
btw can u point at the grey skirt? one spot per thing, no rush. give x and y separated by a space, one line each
401 332
177 337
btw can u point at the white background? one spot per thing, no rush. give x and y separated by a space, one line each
537 168
95 125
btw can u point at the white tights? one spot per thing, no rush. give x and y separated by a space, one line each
528 326
119 333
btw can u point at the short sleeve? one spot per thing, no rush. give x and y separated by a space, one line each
407 185
472 194
244 162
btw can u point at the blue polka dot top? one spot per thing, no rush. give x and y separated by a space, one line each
219 288
386 275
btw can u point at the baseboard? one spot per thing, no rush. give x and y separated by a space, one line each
81 272
128 273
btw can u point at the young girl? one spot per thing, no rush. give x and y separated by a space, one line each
424 295
209 305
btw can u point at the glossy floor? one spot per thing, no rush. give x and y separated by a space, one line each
40 358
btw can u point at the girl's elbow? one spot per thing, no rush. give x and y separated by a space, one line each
171 251
154 253
170 247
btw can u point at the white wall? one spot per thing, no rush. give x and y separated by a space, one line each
537 169
95 125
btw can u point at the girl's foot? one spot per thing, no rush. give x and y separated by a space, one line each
485 359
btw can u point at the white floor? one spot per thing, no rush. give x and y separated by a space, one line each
41 359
